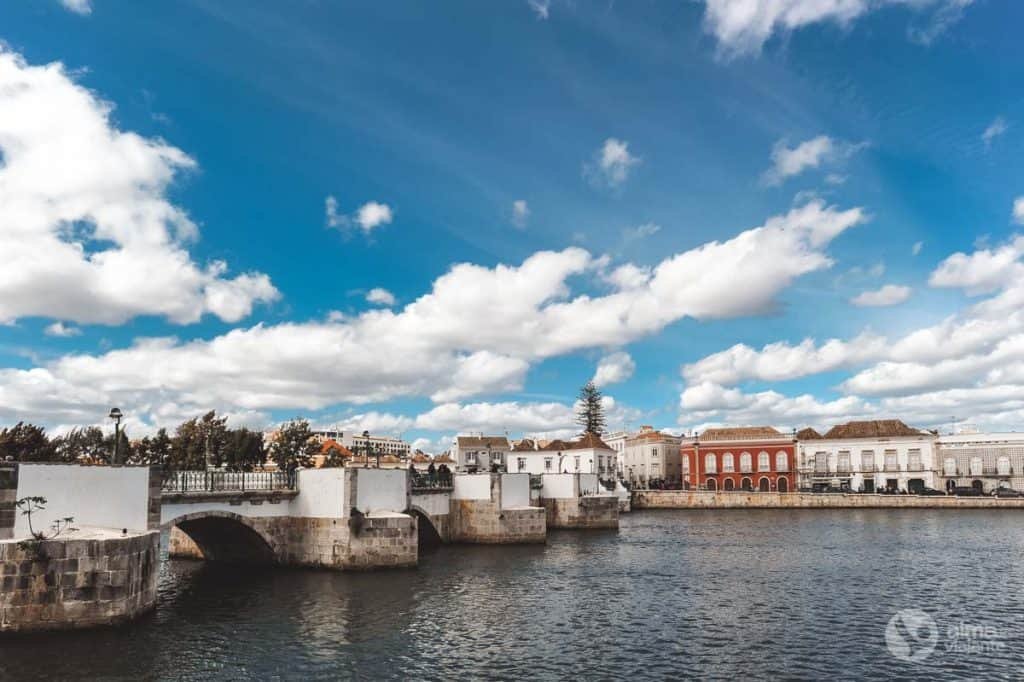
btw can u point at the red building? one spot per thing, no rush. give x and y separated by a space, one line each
744 458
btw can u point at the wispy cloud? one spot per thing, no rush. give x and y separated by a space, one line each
788 162
367 217
890 294
541 8
520 213
996 128
612 164
82 7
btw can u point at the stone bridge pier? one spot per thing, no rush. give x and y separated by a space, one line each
578 501
495 509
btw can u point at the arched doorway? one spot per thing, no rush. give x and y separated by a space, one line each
221 536
711 484
978 485
783 485
728 484
427 536
746 484
764 485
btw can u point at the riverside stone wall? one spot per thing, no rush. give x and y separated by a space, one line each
484 522
590 511
97 579
703 499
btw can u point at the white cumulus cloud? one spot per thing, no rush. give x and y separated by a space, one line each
89 234
789 161
367 217
614 368
890 294
62 330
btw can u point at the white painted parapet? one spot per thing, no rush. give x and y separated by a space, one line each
95 496
515 491
471 487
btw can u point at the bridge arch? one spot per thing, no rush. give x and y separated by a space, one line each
427 532
225 536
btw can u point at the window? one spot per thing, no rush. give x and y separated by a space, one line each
843 465
891 463
821 462
576 463
727 462
781 461
914 459
470 458
710 464
496 457
1003 466
547 464
867 461
976 466
686 465
654 453
520 463
746 462
764 462
949 466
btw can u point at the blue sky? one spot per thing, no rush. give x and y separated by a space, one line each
633 131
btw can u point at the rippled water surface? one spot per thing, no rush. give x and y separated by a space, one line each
719 594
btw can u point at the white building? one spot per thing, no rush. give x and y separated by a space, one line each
478 453
587 455
650 456
616 440
384 445
985 461
868 456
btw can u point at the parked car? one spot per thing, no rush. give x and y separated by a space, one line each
1007 492
930 492
966 491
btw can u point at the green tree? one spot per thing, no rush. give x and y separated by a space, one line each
26 443
294 445
590 410
154 449
82 443
197 437
244 450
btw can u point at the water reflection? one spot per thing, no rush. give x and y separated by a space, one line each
712 594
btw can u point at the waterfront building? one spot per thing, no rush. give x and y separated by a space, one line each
740 458
868 456
650 457
478 453
616 440
985 461
354 441
589 454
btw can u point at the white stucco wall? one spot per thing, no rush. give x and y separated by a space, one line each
170 512
435 504
558 486
107 497
515 491
589 485
471 487
381 490
321 494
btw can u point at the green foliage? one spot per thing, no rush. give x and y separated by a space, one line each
82 443
294 445
26 443
244 450
333 457
590 410
196 437
34 545
152 450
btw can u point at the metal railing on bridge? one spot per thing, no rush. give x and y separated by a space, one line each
216 481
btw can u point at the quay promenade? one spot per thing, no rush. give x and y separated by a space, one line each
709 499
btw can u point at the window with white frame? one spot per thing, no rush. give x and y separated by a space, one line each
728 463
1003 466
949 466
547 464
820 462
710 466
891 461
470 458
764 461
520 463
781 461
746 462
867 461
914 459
843 465
976 466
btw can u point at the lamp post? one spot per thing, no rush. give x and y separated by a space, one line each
116 415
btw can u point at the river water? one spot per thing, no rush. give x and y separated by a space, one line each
672 594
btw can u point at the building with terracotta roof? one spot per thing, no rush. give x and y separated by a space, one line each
869 456
651 458
744 458
480 453
587 454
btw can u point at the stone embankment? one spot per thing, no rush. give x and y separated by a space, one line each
90 577
703 499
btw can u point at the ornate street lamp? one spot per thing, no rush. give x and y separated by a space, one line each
116 415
